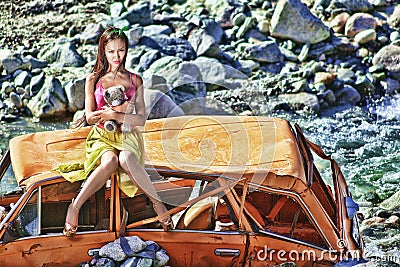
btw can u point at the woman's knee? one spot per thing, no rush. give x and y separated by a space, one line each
126 159
109 160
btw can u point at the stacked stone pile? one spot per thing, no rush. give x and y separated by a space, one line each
252 56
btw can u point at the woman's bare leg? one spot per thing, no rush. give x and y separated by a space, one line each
109 163
140 178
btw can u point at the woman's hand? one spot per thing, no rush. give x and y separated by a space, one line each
108 113
95 117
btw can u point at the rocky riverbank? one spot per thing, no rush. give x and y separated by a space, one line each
238 57
308 56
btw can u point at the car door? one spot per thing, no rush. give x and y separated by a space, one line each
32 233
205 233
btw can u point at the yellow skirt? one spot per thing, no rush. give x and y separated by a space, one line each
100 141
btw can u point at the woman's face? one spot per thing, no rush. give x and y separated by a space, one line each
115 52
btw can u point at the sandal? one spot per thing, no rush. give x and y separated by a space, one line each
70 229
166 223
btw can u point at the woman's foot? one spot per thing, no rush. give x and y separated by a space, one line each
166 222
71 225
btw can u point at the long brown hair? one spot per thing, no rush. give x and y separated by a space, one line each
101 66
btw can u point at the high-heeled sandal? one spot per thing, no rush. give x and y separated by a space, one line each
70 229
166 223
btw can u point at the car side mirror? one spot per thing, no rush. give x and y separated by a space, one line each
351 207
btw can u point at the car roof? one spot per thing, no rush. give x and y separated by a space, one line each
262 149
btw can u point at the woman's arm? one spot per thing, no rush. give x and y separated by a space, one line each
92 116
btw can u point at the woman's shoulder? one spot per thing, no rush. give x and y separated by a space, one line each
90 77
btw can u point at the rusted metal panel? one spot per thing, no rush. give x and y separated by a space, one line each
55 250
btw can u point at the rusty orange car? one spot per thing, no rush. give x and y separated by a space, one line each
242 191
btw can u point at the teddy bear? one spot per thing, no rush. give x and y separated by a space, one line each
114 96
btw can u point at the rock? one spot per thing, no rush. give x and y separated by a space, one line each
290 16
134 35
383 214
338 22
365 36
394 19
347 95
255 36
215 74
159 105
359 22
7 87
36 83
151 30
75 92
324 77
12 63
304 52
389 56
239 19
91 34
203 43
15 100
186 80
64 54
247 25
138 14
264 25
390 86
114 251
156 82
392 203
214 29
346 75
301 102
350 6
147 59
328 96
267 51
171 46
105 262
35 63
22 79
116 9
393 221
250 64
373 221
161 258
50 101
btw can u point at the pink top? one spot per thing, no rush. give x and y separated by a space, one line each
99 95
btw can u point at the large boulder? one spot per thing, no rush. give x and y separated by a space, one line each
185 79
50 101
75 92
301 101
216 74
63 53
12 62
91 34
267 51
139 13
389 56
351 6
159 105
293 20
203 43
359 22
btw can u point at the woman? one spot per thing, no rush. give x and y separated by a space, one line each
118 151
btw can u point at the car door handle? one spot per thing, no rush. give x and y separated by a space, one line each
227 252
